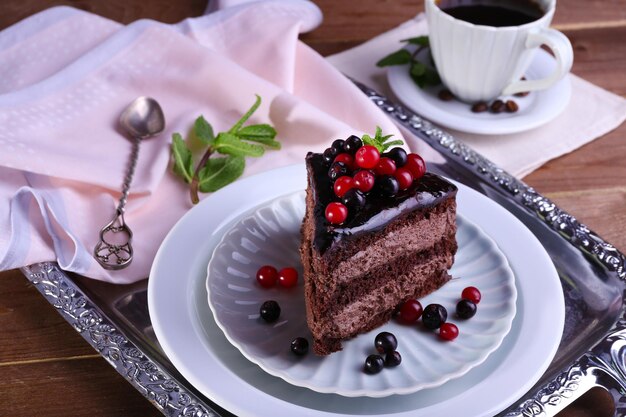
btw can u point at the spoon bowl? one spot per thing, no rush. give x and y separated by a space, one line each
143 118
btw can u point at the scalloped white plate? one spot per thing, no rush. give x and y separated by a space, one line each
271 235
189 336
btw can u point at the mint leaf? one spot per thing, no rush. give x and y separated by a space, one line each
229 144
420 40
219 172
262 133
246 116
431 77
391 144
417 69
400 57
183 160
203 131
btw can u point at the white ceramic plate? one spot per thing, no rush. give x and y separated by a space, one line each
271 235
187 332
536 109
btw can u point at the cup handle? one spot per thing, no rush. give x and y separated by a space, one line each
562 50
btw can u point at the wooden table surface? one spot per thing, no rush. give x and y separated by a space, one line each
45 366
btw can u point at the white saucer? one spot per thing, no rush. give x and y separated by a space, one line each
536 109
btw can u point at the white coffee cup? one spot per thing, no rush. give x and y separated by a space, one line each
481 63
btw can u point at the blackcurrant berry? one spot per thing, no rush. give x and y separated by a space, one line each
386 186
330 154
300 346
353 199
338 144
270 311
398 155
352 144
393 359
374 364
385 342
337 169
434 316
465 309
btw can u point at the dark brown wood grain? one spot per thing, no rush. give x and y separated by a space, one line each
45 366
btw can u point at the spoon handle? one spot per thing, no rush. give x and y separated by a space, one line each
114 250
134 155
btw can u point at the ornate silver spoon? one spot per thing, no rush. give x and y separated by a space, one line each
142 119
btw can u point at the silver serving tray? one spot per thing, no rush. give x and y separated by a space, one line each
114 319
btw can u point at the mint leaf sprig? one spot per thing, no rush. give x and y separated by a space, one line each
211 174
423 75
379 141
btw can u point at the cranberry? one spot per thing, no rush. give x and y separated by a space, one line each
336 213
404 178
346 158
330 154
270 311
338 144
343 184
410 311
373 364
392 359
364 180
434 316
337 169
288 277
385 342
416 165
398 155
385 166
387 186
472 294
448 331
465 309
300 346
367 157
353 199
266 276
352 144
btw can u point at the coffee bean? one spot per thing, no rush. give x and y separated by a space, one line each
479 107
511 106
445 95
497 106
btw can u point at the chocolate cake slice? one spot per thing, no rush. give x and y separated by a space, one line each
392 246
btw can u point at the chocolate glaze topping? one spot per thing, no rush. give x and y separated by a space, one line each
378 211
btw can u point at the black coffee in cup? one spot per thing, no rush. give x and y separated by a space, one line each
496 13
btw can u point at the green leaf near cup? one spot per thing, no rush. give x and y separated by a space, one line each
422 73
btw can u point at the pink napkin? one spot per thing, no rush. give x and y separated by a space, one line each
66 77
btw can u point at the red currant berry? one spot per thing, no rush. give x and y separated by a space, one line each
448 331
410 311
336 213
342 185
416 165
288 277
385 166
347 159
364 180
367 157
472 294
266 276
404 177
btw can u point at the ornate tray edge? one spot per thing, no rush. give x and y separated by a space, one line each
604 365
157 385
